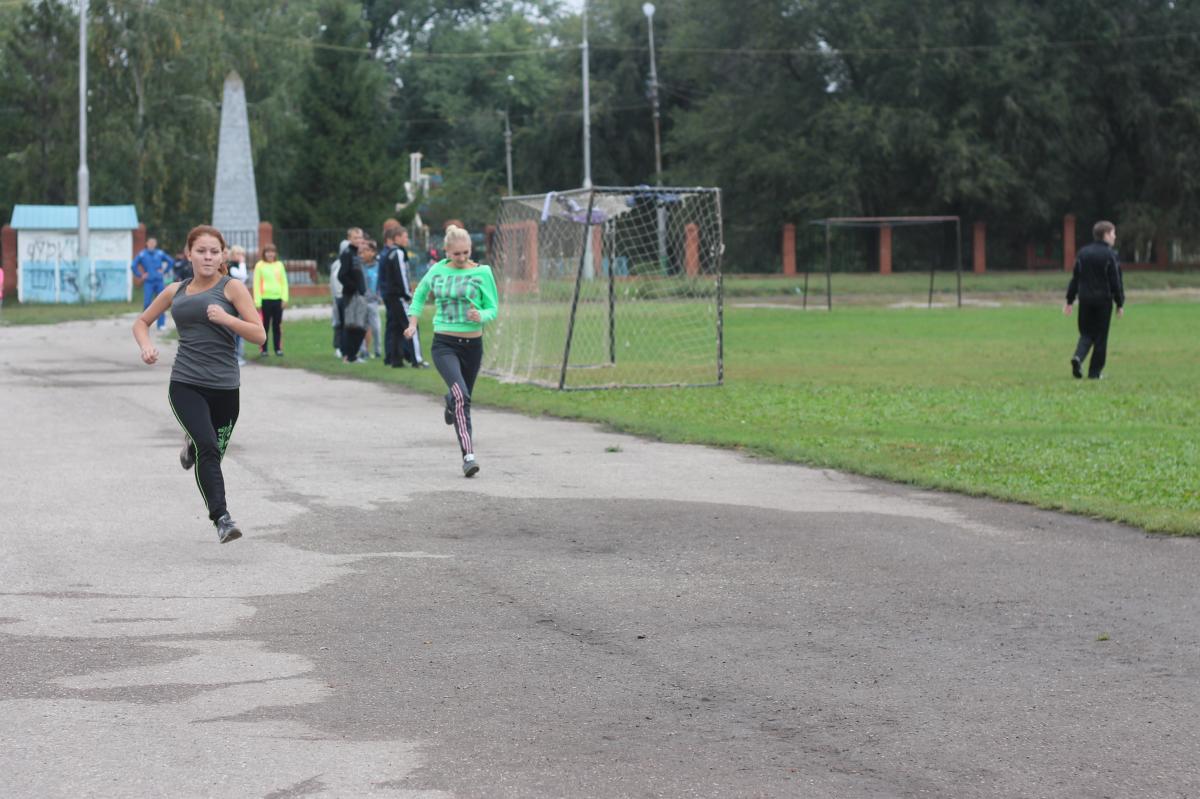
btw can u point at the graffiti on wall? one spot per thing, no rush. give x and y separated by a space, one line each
50 269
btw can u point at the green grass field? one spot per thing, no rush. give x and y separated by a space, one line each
977 400
860 286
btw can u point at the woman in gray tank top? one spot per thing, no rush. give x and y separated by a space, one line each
210 312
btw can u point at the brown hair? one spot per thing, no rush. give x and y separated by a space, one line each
207 230
204 230
391 231
1101 229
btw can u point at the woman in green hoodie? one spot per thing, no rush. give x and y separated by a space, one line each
465 295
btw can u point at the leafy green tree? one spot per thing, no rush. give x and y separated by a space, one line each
1006 111
343 174
39 150
451 93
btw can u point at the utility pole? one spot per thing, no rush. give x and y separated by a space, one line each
83 168
508 137
660 211
648 10
587 107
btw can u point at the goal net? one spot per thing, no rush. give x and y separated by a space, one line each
608 288
889 245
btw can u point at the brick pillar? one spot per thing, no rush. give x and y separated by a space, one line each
1069 243
1162 253
531 250
597 250
980 247
266 235
885 250
789 249
489 244
139 241
8 243
1030 255
691 248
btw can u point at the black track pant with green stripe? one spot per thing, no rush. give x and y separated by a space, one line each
207 415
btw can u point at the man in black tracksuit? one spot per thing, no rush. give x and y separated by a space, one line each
1097 282
396 291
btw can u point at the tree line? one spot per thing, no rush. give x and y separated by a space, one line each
1012 112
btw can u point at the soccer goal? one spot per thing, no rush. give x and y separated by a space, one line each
888 245
609 288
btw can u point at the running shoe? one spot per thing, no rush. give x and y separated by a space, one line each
470 468
227 529
187 458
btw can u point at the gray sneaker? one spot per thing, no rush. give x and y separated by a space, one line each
187 457
470 468
227 529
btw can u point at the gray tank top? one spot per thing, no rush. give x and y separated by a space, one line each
206 355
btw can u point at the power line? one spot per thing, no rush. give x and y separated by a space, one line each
800 52
364 50
825 52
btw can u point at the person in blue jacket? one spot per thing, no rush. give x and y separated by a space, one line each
150 268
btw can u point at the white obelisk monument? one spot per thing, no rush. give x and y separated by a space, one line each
235 197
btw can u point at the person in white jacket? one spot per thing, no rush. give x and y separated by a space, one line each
335 289
239 271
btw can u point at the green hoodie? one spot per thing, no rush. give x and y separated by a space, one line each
455 291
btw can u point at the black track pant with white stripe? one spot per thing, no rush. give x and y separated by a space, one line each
457 360
207 415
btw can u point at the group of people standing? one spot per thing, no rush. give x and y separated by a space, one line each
214 310
361 279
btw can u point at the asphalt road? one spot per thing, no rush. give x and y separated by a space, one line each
654 621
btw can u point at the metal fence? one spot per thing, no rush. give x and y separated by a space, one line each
319 245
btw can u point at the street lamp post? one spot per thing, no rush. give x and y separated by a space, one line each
587 105
648 10
508 137
83 187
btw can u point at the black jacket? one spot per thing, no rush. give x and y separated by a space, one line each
1097 276
391 276
350 273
